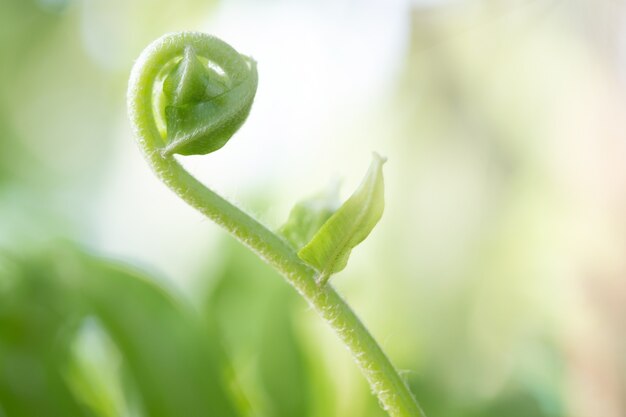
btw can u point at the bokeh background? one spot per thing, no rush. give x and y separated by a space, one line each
496 279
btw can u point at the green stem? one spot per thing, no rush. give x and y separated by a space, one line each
384 380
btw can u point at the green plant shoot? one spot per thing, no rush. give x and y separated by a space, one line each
188 94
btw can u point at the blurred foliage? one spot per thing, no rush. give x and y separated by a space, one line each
85 336
255 312
495 276
169 356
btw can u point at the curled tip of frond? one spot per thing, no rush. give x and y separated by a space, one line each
198 89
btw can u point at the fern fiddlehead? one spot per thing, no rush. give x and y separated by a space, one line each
188 94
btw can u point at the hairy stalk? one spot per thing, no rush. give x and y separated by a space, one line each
391 390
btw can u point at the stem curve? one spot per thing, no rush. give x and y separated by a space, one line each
385 382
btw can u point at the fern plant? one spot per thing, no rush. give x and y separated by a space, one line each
188 94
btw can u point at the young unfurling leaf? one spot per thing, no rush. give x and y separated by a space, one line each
329 250
188 94
307 216
203 107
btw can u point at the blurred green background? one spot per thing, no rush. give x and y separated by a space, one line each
496 279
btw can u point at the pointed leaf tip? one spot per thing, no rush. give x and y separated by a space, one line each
329 249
